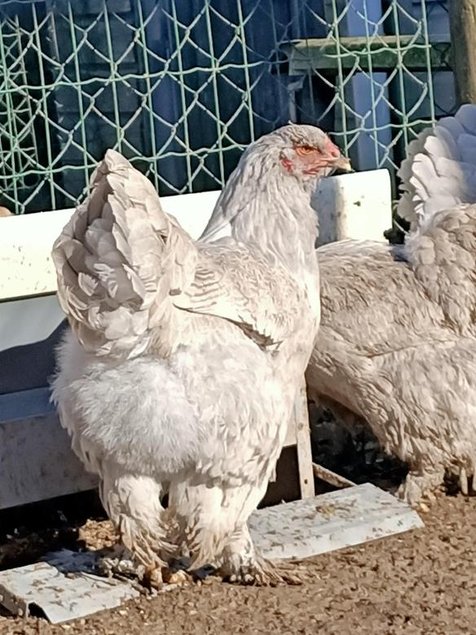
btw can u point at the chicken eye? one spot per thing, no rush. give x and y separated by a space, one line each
303 150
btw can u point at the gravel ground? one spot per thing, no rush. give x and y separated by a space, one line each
420 582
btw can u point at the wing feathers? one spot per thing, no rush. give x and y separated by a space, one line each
124 267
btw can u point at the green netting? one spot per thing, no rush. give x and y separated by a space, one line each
180 87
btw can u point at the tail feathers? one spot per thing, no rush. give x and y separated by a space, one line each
440 169
439 192
406 204
443 257
118 259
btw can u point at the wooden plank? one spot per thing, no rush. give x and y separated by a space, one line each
303 445
28 320
462 15
380 53
330 477
358 206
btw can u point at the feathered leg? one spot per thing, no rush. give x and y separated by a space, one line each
242 563
133 505
420 481
203 522
215 532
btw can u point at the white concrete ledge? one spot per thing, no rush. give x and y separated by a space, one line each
354 205
37 462
357 205
26 268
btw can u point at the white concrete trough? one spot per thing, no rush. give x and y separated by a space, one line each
36 462
356 205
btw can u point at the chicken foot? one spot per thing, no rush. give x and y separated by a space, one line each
242 565
419 482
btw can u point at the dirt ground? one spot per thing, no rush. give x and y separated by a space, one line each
419 582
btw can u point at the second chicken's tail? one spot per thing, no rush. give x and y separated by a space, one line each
439 200
439 171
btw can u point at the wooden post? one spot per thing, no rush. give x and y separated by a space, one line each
303 444
463 40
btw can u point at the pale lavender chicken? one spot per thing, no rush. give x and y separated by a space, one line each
397 341
185 358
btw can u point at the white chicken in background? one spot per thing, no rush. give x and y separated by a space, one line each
397 341
185 358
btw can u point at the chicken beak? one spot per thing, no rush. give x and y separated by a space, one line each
341 165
